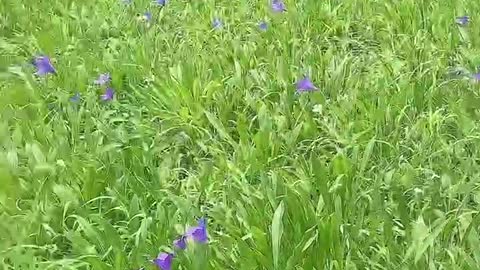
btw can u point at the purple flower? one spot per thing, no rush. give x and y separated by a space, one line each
217 23
147 16
43 65
75 98
160 2
263 25
109 93
164 261
305 85
180 243
199 232
462 20
103 79
278 6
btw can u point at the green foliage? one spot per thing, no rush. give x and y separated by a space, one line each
377 170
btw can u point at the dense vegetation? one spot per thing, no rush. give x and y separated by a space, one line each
305 134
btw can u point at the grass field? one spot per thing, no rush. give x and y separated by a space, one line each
376 168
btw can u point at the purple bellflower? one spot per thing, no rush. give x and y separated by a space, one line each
476 77
305 85
43 65
278 6
462 20
164 261
160 2
147 16
181 242
263 25
108 95
103 79
217 23
199 232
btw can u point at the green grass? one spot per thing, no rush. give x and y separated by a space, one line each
379 169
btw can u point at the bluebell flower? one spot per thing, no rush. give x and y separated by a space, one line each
199 232
103 79
147 16
217 23
160 2
108 95
462 20
181 242
263 25
305 85
278 6
164 261
43 65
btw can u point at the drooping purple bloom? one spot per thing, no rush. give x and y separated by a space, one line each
263 25
103 79
181 242
199 232
43 65
164 261
476 77
217 23
75 98
305 85
278 6
109 93
462 20
160 2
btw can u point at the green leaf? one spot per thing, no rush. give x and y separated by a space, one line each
366 155
219 127
277 233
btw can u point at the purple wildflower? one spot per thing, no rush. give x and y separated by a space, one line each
462 20
263 25
43 65
199 232
305 85
103 79
160 2
147 16
164 261
109 93
217 23
180 243
278 6
75 98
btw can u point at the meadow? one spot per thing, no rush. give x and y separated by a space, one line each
239 135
